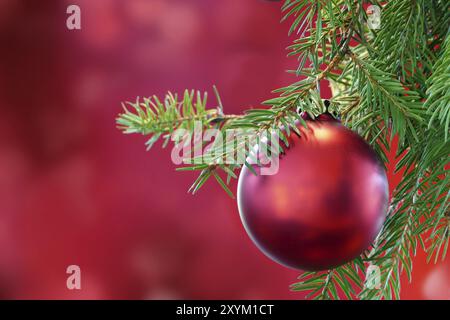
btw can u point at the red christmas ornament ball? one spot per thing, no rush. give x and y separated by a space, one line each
326 203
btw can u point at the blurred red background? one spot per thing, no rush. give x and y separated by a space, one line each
74 190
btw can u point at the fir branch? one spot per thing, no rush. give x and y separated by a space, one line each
380 89
326 285
438 92
374 100
393 251
153 117
387 98
402 40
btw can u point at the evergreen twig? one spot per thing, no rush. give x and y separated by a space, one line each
389 82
